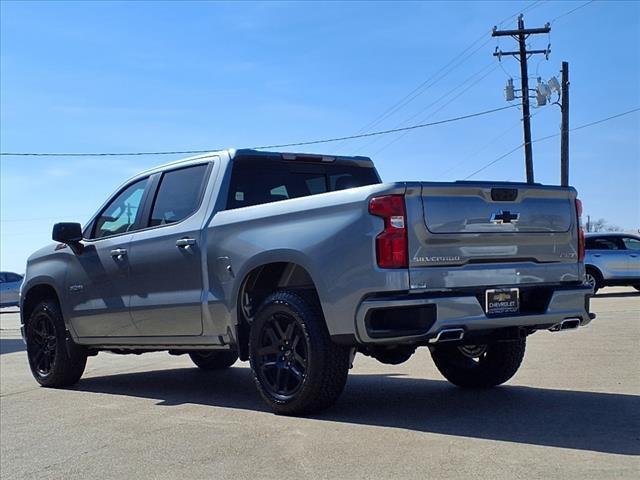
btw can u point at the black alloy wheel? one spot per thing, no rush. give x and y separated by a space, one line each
296 367
42 344
282 356
54 358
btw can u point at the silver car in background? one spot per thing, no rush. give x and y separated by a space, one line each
612 259
10 289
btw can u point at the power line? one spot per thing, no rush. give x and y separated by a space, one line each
105 154
591 124
435 102
424 86
399 137
533 5
531 116
571 11
36 219
490 142
432 80
386 132
263 147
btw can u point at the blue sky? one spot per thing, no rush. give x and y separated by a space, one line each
140 76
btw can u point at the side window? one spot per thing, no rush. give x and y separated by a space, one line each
631 243
2 278
602 243
13 277
257 181
123 211
178 195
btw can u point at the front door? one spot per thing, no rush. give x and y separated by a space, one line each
97 282
166 261
97 289
632 245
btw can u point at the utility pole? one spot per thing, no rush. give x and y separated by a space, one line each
521 35
564 131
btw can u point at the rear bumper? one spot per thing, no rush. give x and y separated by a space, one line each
419 318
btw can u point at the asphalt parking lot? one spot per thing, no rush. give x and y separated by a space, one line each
572 411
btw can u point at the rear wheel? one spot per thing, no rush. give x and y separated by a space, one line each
214 359
593 279
296 367
479 366
54 360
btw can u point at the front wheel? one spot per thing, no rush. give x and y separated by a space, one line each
297 368
479 366
54 360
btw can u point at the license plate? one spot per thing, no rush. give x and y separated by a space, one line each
502 300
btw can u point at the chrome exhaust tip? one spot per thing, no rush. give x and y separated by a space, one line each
448 335
566 324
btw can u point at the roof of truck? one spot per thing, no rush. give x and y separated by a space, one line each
247 152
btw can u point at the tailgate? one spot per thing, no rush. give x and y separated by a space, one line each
467 234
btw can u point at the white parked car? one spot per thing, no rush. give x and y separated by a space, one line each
10 289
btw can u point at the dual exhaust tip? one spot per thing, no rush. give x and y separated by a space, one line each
448 335
456 334
566 324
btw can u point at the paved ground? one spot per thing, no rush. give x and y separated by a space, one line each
572 411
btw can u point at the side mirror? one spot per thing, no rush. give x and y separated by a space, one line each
67 232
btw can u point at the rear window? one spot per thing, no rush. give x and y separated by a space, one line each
631 243
257 181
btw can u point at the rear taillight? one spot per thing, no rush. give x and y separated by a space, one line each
580 231
391 243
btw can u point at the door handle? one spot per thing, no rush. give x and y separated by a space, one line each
596 254
634 255
119 253
185 242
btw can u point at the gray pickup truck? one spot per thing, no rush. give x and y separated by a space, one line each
296 262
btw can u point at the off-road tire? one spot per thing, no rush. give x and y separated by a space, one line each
320 379
46 335
498 364
213 359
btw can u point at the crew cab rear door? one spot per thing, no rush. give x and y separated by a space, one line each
165 258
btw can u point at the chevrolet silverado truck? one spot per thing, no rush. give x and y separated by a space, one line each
296 262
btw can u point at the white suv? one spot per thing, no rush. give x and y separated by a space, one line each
612 259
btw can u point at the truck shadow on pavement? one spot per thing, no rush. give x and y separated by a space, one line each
600 422
617 295
11 345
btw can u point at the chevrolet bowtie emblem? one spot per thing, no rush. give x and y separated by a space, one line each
505 216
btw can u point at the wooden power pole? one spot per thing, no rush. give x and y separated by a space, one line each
521 35
564 131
